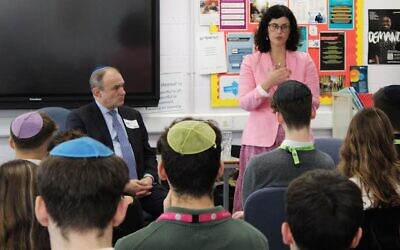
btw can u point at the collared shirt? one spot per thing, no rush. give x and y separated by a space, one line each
292 143
108 118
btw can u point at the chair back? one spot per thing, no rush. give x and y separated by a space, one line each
58 115
265 210
381 229
331 146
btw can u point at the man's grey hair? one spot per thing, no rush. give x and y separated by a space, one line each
96 78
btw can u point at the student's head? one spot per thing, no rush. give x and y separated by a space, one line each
324 211
368 153
293 102
388 100
265 34
80 188
107 87
31 131
18 226
63 136
190 153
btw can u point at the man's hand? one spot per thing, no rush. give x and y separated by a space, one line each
139 188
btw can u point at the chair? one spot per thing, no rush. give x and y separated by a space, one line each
265 210
381 229
330 146
58 115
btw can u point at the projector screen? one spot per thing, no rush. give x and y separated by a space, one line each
48 50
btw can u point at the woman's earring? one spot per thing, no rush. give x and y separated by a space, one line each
266 38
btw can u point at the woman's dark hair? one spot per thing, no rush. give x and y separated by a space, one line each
275 12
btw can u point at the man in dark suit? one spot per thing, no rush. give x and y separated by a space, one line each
96 119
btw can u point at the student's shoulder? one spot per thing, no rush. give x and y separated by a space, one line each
325 159
138 238
270 155
242 231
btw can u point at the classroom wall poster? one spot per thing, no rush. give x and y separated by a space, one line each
172 95
331 83
258 7
209 12
303 45
238 45
224 90
210 53
341 14
384 36
359 78
332 51
309 12
233 15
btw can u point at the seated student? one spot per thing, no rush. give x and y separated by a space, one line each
387 99
18 227
80 199
324 211
63 136
30 134
368 158
190 162
134 215
292 103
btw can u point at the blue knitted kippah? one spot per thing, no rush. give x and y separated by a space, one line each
83 147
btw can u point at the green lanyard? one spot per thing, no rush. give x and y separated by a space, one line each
396 141
294 150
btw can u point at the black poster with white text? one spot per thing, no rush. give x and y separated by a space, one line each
384 36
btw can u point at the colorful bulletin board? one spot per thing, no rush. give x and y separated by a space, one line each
331 33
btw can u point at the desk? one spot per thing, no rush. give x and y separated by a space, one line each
230 166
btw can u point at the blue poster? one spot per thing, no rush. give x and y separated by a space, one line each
238 45
303 39
341 14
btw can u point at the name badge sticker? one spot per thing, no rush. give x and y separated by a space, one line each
132 124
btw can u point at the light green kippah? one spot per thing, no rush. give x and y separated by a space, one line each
191 137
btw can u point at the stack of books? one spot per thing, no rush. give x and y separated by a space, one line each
360 100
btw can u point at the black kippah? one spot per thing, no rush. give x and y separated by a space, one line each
291 90
392 94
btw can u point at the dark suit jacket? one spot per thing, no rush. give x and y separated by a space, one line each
90 120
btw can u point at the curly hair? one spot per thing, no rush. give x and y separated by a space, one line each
274 12
369 155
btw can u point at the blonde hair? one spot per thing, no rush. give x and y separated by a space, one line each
369 155
19 228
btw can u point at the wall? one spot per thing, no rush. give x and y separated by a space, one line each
179 24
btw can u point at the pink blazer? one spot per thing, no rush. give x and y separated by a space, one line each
262 126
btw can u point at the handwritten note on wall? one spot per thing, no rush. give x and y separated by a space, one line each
172 95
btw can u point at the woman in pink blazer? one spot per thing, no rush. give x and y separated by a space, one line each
275 61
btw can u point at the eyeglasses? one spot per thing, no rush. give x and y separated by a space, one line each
275 27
